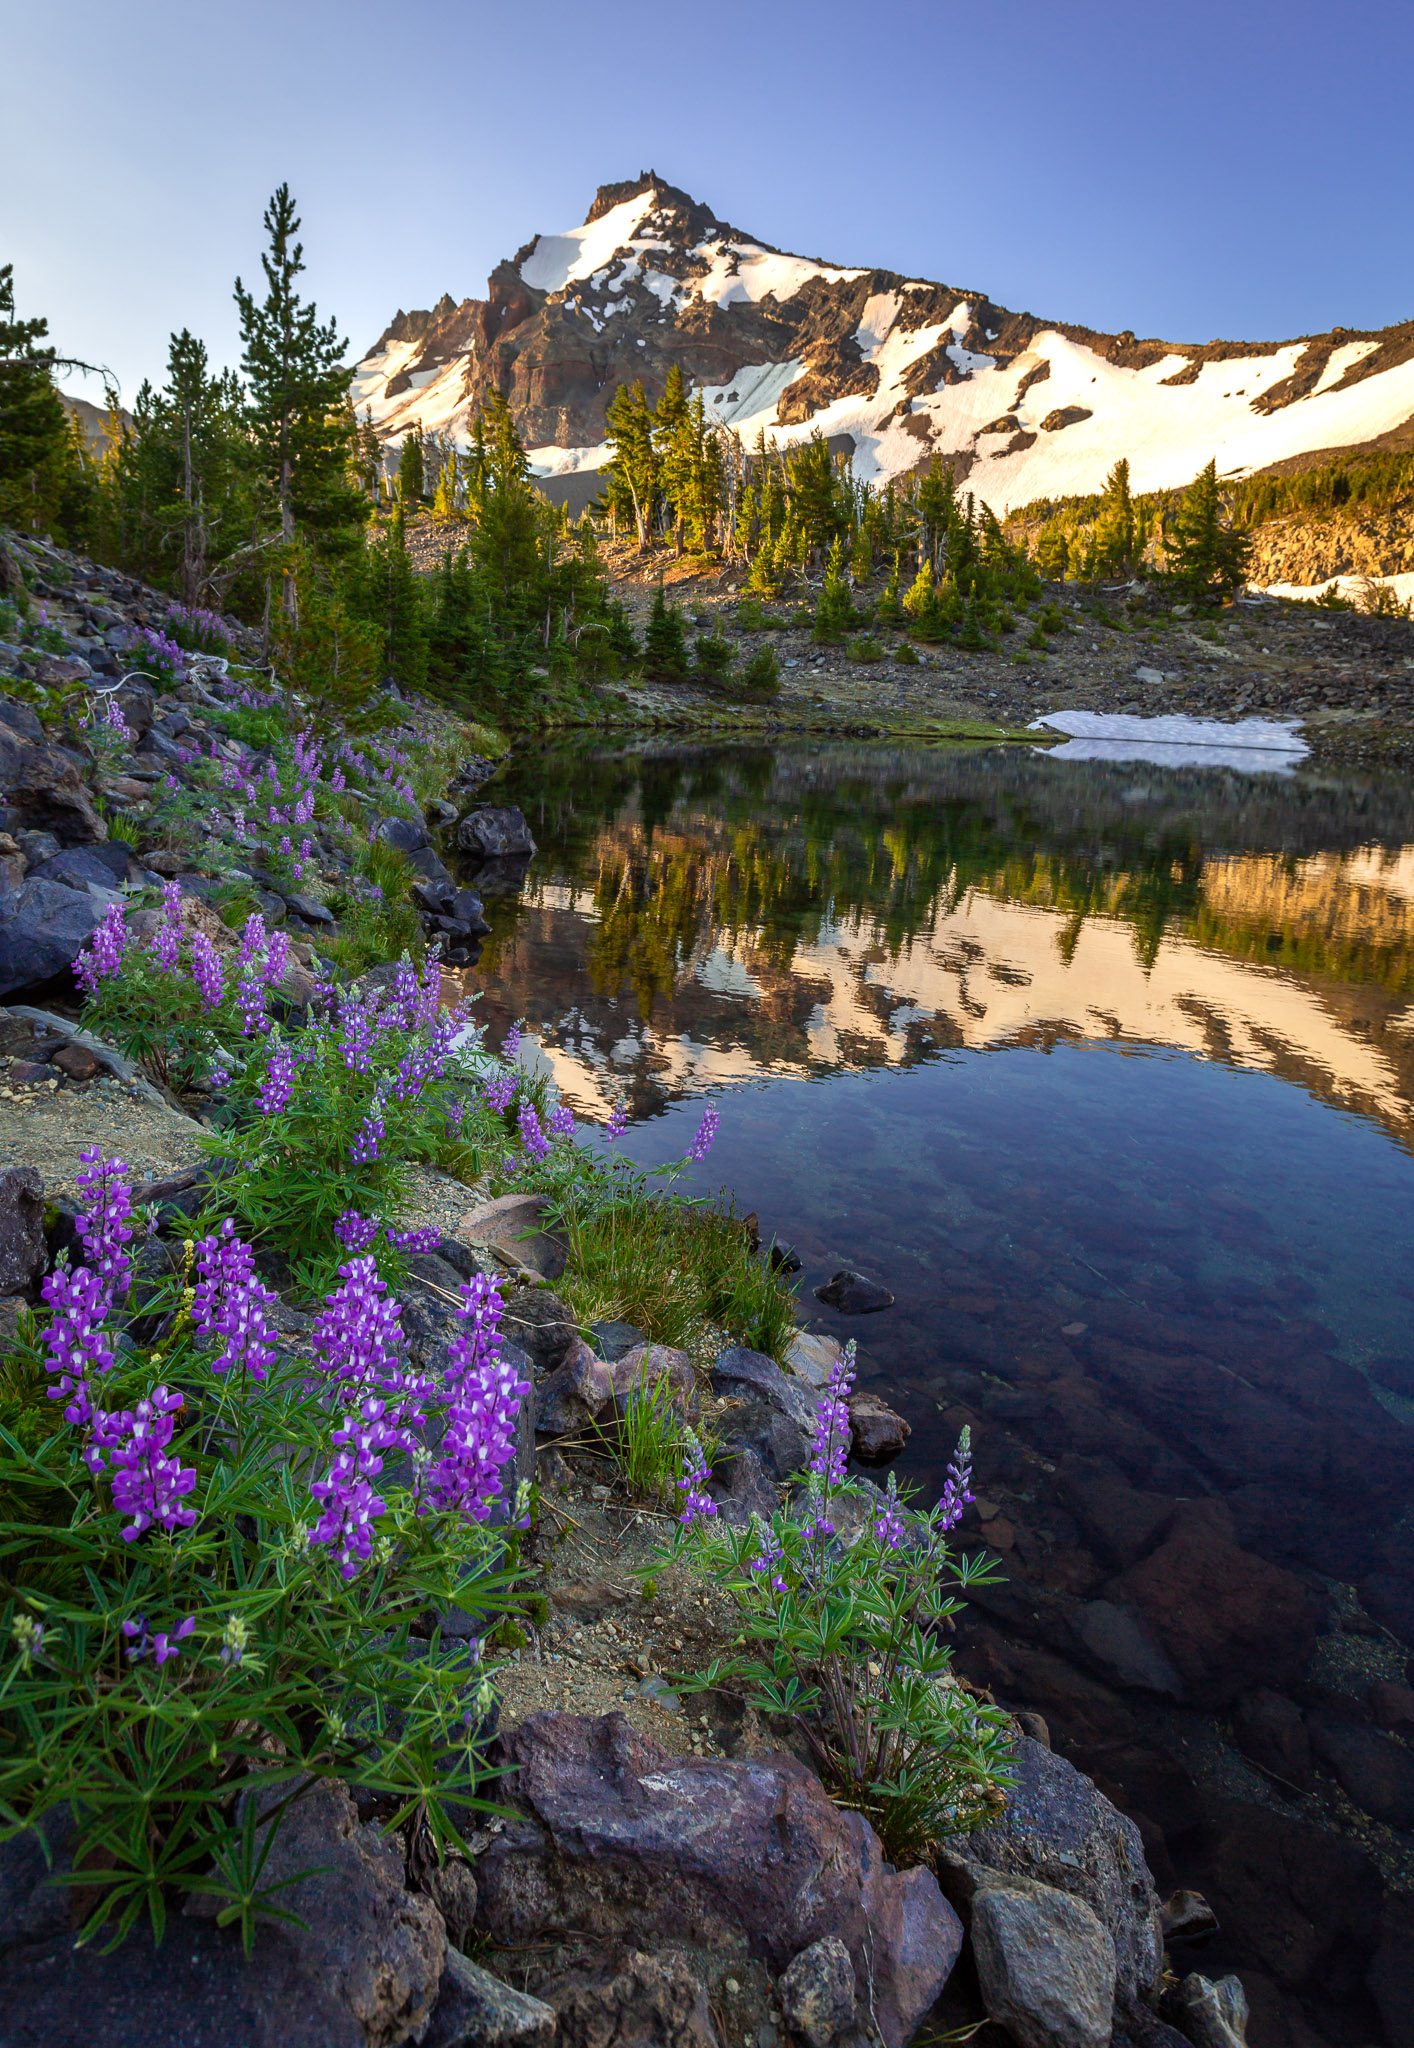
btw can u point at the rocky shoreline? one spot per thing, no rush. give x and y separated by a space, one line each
657 1882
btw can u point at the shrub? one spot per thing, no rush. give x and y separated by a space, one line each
713 659
761 677
843 1638
908 654
203 632
153 655
866 648
208 1606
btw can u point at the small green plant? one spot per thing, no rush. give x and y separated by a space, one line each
713 659
867 649
646 1442
841 1599
761 677
908 655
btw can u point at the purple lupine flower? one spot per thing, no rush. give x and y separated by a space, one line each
456 1117
274 1092
829 1447
147 1484
368 1139
229 1303
769 1556
562 1121
78 1347
706 1131
167 946
425 1240
483 1399
356 1035
499 1093
355 1232
512 1042
617 1124
255 941
956 1489
235 1635
698 1504
103 955
887 1524
250 1001
207 971
536 1143
358 1344
277 959
104 1226
158 1647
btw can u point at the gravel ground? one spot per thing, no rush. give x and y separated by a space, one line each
49 1127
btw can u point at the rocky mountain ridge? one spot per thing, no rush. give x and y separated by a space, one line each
894 369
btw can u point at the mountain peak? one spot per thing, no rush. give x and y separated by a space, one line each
896 370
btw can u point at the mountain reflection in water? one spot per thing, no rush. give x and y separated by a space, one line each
705 917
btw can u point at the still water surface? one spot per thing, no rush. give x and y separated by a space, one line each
1094 1064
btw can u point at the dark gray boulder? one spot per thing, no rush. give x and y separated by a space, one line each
1045 1965
1374 1769
494 830
407 835
476 2010
363 1972
43 929
752 1375
42 790
22 1249
1057 1829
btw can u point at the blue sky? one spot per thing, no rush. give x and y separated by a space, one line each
1237 169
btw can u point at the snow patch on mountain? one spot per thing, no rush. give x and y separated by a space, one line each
558 260
744 271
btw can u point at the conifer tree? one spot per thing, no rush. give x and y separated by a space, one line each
44 474
297 386
1206 557
834 610
412 470
1114 535
1053 552
664 642
632 472
385 592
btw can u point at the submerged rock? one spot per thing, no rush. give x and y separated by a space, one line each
854 1294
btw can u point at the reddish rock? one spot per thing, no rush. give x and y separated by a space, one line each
877 1433
1294 1899
646 1365
1392 1705
576 1393
1226 1619
76 1061
515 1225
1270 1730
622 1838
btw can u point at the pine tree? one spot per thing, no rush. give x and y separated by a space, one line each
834 611
1053 552
889 610
412 470
632 472
42 465
932 611
176 488
1114 526
1206 557
385 592
664 642
297 387
325 652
